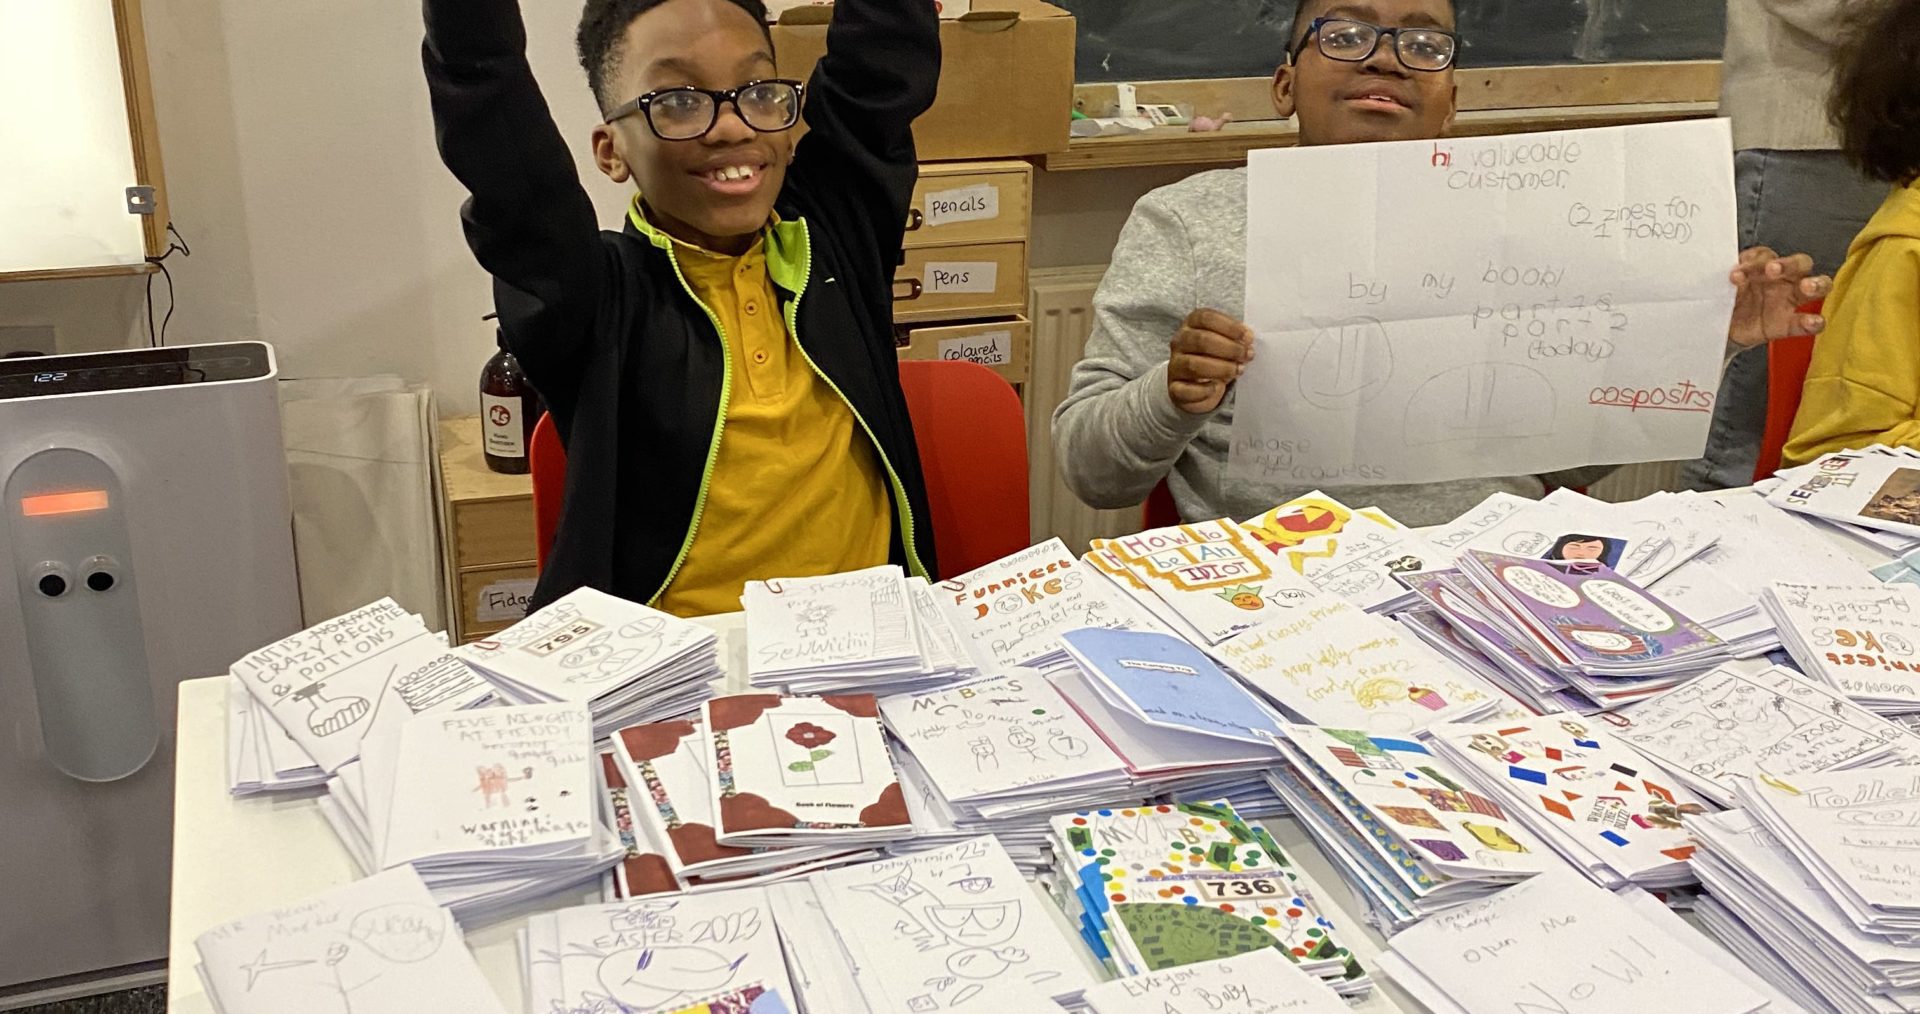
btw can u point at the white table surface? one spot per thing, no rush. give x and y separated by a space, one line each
234 857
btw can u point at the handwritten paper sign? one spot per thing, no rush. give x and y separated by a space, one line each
1485 306
1559 943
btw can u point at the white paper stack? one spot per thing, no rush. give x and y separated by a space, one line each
1258 981
375 946
627 663
1558 943
1608 810
1875 490
491 807
658 955
1012 612
261 757
1401 825
1771 911
854 631
1008 746
1853 831
1643 541
936 931
669 769
1773 724
1862 638
357 676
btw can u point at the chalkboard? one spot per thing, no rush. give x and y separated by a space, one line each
1156 40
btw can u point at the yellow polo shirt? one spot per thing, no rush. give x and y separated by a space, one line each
797 488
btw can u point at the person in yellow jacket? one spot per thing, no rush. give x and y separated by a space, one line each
1864 383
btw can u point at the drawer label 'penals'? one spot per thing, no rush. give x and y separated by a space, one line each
978 203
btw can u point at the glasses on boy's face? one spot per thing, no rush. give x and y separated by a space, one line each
1422 49
685 114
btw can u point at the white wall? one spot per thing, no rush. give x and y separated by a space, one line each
301 167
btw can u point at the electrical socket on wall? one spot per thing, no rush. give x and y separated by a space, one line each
39 338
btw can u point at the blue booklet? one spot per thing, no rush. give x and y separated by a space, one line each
1164 681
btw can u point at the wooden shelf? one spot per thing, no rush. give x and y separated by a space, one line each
99 271
1177 146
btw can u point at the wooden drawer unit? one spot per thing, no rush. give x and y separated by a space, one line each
948 282
494 598
486 533
971 202
1003 345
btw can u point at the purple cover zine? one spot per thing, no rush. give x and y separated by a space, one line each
1598 617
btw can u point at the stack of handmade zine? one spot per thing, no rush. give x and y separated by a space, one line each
1403 827
625 662
1163 886
1010 613
492 807
301 707
762 786
870 631
1792 914
1606 636
1605 808
999 756
1553 941
1862 639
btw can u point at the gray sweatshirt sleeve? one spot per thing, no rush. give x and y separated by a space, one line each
1118 433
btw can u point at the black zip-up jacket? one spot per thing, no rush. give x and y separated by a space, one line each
631 367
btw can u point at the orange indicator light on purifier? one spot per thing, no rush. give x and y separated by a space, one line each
50 504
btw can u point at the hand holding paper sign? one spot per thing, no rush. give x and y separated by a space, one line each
1771 291
1209 353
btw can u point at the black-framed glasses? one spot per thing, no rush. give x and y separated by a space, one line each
686 114
1428 50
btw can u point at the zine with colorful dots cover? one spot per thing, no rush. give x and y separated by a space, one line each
1173 885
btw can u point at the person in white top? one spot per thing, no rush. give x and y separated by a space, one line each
1796 190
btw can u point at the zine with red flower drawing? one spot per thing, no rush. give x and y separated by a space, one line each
802 768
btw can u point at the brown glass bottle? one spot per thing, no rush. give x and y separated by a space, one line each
509 408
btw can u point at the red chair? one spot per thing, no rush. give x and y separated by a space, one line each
1787 363
972 433
1159 511
547 459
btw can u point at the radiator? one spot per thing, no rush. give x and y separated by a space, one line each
1060 304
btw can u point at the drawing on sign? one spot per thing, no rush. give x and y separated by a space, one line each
1481 401
1349 363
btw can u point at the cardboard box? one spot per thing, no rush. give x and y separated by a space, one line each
1006 78
777 8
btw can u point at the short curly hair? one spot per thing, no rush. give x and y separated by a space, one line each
603 28
1876 91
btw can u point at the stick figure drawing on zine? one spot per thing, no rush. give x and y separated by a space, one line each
976 937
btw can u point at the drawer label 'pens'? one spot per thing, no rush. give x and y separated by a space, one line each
971 276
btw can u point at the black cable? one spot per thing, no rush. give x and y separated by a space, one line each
158 338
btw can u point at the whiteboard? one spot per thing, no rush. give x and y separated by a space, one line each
66 147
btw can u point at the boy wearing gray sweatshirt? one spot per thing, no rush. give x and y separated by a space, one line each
1153 397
